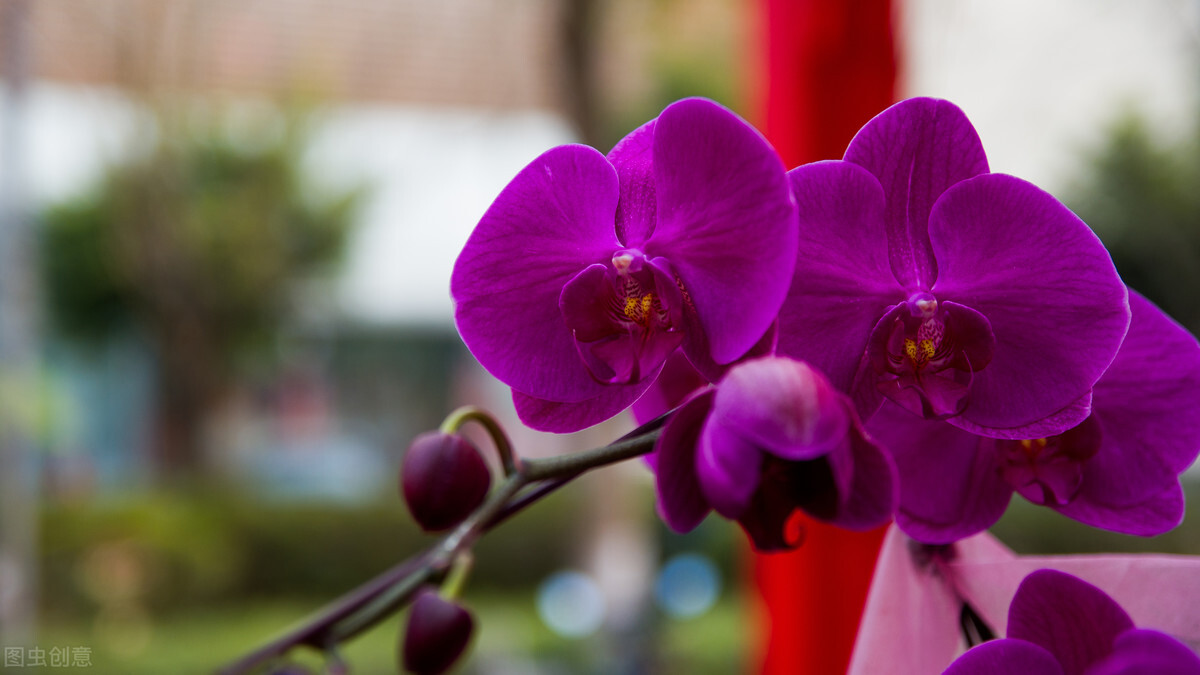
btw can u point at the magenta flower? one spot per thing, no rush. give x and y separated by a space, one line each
1118 470
956 293
773 437
1059 624
588 271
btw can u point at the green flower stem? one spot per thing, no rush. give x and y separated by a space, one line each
450 548
578 462
456 578
367 605
455 420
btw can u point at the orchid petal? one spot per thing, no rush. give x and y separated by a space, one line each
916 149
875 490
726 221
782 406
633 157
1067 418
949 485
1005 657
842 283
553 220
1067 616
728 467
675 382
1140 651
695 347
681 502
562 418
1056 305
1148 518
1147 400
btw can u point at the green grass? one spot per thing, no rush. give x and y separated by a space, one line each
509 632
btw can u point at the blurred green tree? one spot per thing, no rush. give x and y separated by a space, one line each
1141 195
198 245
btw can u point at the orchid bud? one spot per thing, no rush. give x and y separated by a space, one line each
443 479
437 634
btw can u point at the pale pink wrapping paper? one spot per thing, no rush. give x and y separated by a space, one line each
910 625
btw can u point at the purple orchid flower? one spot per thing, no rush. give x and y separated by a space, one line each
588 271
774 436
1059 624
953 292
1118 470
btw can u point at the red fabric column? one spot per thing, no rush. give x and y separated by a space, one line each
830 66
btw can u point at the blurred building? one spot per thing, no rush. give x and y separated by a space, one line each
433 106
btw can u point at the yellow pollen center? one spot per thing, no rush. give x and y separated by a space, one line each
638 309
1034 447
919 352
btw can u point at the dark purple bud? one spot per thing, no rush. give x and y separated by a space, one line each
443 479
437 634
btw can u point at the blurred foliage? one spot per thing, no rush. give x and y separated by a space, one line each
1140 194
511 638
229 224
199 244
181 551
691 48
141 576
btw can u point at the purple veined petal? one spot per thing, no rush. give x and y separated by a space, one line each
1148 398
782 406
1005 657
1141 651
1067 418
633 158
842 282
864 392
681 502
1151 517
564 418
949 484
552 221
874 493
1045 283
1067 617
728 468
726 221
695 346
1128 467
916 149
838 469
677 380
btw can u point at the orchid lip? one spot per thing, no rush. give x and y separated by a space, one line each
625 318
925 354
1050 470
